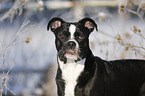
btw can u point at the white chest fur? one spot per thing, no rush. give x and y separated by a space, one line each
70 74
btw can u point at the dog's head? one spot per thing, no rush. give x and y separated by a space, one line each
71 38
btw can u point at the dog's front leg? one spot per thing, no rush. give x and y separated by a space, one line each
60 87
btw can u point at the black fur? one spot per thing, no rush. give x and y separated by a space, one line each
99 77
108 78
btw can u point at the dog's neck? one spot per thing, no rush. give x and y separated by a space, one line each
70 73
89 59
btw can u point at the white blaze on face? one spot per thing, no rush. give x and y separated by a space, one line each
72 30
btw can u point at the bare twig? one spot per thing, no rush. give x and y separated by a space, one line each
137 32
5 83
7 88
26 22
136 13
3 79
129 45
138 9
13 11
105 33
141 35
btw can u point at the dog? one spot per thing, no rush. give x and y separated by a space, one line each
79 73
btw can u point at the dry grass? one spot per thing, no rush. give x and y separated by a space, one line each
17 8
22 29
137 9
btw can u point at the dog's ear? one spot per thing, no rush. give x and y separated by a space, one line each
54 23
89 23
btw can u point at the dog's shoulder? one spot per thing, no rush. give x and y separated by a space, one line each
126 68
121 62
128 63
123 65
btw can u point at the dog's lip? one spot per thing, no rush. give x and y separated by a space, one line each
71 52
71 56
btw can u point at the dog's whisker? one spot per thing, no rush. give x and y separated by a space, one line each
77 55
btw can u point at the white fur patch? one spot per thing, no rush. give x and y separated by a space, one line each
72 30
70 56
70 74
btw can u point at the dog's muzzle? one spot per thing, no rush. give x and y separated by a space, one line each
70 50
71 45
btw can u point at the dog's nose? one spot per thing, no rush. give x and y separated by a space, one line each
71 44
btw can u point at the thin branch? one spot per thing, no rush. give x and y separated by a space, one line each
141 35
4 79
7 88
26 22
141 47
138 9
132 11
10 69
13 11
104 33
136 13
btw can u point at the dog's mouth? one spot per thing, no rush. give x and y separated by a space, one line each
72 54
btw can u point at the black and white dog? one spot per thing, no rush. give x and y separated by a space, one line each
81 74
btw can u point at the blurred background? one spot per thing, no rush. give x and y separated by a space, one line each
27 50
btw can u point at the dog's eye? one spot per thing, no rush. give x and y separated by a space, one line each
61 36
81 37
